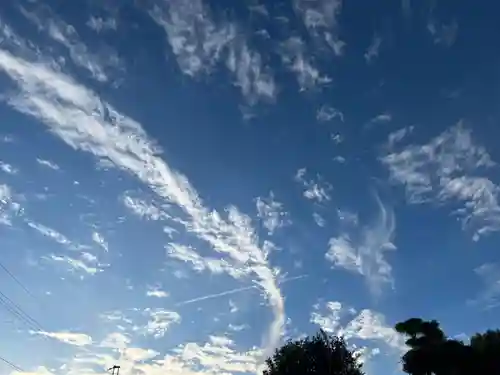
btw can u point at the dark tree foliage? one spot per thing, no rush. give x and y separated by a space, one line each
432 353
319 354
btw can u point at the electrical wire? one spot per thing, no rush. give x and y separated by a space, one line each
15 310
11 365
18 282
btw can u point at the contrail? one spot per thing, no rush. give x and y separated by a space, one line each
232 291
209 296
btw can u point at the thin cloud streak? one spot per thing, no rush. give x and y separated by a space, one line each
215 295
233 291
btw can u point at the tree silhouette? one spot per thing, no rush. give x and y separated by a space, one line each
432 353
486 348
425 342
321 354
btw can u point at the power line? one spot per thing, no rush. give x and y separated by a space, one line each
18 282
17 311
11 365
13 308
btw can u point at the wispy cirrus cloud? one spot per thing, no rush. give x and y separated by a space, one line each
157 292
373 49
75 114
159 321
451 168
49 164
489 297
319 220
8 168
217 354
143 209
99 24
272 213
199 44
327 316
52 234
371 325
321 19
314 189
327 113
361 249
398 135
100 241
85 264
295 57
381 119
8 206
200 263
367 326
70 338
97 65
442 33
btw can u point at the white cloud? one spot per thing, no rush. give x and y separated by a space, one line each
348 217
327 113
489 297
444 34
196 41
144 209
368 326
52 234
86 263
79 118
67 36
329 321
480 197
398 135
449 169
99 24
339 159
156 292
200 263
373 49
255 82
70 338
381 118
7 205
199 44
272 213
48 164
41 370
232 307
221 340
315 190
321 20
343 254
160 321
218 357
319 220
336 138
237 328
7 168
295 57
99 240
361 250
116 340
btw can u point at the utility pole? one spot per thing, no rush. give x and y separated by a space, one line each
112 369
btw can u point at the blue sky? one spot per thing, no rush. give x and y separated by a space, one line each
186 185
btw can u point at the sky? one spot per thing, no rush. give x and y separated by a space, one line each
185 186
